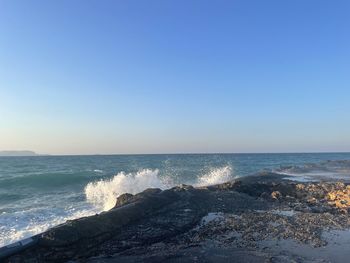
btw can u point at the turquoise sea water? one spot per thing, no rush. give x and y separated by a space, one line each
42 191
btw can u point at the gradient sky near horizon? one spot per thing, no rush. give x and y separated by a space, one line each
86 77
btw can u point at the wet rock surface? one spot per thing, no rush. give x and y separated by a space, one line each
237 220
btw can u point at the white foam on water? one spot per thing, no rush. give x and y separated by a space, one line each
103 193
215 176
24 224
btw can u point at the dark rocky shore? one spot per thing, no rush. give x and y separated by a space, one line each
263 218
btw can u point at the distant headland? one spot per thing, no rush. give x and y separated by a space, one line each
18 153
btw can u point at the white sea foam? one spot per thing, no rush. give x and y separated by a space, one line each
103 193
15 227
215 176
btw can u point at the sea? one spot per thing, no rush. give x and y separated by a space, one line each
40 192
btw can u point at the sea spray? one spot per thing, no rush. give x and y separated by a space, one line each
215 176
103 193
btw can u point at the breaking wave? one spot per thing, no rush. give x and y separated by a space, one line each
215 176
103 193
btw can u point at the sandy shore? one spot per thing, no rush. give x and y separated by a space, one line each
265 218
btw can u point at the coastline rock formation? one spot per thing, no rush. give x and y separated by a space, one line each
250 219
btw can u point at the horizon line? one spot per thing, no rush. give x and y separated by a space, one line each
178 153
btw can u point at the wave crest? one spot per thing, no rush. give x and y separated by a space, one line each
215 176
103 193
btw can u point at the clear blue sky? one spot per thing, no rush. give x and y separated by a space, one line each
174 76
